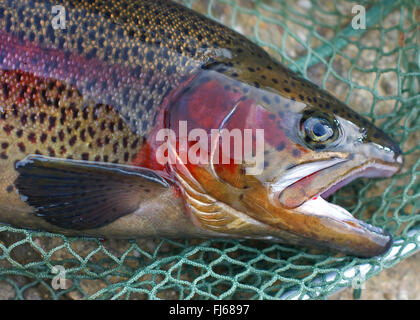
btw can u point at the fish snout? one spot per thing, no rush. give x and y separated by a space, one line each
398 155
387 148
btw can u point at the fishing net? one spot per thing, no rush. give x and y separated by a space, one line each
375 70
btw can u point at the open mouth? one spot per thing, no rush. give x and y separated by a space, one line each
317 205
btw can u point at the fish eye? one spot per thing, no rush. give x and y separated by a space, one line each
318 130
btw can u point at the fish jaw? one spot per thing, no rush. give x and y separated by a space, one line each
329 225
334 227
343 232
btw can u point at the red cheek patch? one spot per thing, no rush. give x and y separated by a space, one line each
204 104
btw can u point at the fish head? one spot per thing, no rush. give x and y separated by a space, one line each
302 145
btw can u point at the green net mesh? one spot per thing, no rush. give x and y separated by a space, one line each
376 71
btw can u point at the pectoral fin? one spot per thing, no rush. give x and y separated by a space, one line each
82 195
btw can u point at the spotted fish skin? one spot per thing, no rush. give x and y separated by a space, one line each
88 101
133 53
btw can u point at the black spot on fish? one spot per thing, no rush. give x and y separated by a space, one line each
8 129
6 90
52 121
42 117
134 144
21 147
72 140
120 124
51 152
32 137
23 119
149 105
281 146
150 56
266 100
43 137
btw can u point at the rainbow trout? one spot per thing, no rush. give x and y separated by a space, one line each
126 119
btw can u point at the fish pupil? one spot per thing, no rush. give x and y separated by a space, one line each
319 129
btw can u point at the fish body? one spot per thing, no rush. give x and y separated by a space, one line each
113 124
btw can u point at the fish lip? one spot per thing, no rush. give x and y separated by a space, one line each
372 169
372 241
294 174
